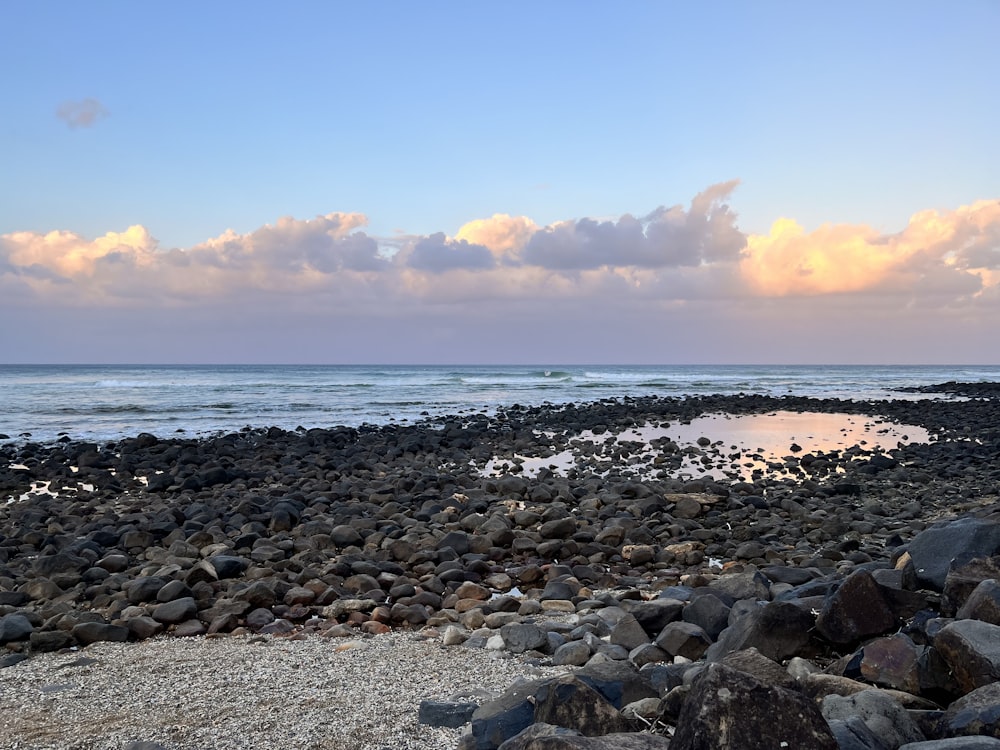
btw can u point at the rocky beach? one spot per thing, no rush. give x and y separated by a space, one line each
539 577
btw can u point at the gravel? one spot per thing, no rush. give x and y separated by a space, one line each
242 693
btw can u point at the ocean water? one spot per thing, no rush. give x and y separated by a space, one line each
101 402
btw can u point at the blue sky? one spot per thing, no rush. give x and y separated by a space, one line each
191 120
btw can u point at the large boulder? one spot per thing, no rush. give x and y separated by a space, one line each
972 650
943 546
727 708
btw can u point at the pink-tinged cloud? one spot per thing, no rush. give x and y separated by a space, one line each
946 251
81 114
676 284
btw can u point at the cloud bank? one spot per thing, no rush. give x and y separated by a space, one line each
674 284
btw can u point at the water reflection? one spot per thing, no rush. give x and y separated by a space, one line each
725 446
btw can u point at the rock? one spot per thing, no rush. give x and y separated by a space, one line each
971 649
175 611
892 662
779 630
11 659
853 734
754 663
572 654
951 544
14 627
855 610
445 713
569 702
983 603
683 639
50 640
654 615
91 632
886 719
521 637
955 743
727 708
500 719
143 627
977 712
627 632
526 739
228 566
709 613
619 682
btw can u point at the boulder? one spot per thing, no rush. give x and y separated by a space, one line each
977 713
886 718
943 546
972 649
569 702
727 708
857 609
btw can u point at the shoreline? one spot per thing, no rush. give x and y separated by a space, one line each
355 532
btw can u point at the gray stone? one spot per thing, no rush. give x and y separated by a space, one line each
853 734
520 637
445 713
178 610
14 627
627 632
886 718
572 654
977 712
91 632
936 550
779 630
683 639
955 743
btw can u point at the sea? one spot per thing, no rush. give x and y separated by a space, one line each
43 403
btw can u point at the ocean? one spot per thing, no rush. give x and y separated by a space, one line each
108 402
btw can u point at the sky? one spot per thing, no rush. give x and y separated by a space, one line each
516 182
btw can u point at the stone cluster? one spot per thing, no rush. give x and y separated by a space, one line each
850 600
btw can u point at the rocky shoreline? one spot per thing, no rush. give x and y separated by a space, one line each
844 598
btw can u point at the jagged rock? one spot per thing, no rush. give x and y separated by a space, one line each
853 734
972 649
683 639
569 702
754 663
977 712
627 632
727 708
779 630
520 637
498 720
856 609
892 662
983 603
886 718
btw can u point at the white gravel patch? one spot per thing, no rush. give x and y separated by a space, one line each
241 694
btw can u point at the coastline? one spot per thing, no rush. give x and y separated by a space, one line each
353 532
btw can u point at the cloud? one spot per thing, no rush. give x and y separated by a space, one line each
437 253
943 251
648 283
666 238
82 114
501 233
